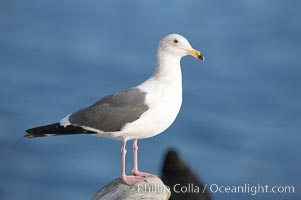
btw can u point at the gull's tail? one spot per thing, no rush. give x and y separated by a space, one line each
55 130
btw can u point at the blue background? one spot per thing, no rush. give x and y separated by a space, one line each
241 116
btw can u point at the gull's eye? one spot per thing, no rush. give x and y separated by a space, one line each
176 41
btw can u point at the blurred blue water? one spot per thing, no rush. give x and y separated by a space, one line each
241 117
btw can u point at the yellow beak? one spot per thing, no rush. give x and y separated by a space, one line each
195 53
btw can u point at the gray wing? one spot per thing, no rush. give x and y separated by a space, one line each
112 112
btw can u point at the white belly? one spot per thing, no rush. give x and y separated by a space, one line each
164 101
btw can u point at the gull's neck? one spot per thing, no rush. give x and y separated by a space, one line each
168 68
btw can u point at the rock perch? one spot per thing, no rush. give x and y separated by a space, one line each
152 188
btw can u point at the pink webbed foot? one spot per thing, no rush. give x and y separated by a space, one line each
143 174
135 171
132 180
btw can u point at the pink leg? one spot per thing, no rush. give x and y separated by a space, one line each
129 180
135 168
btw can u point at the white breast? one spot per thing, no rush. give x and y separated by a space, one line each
164 100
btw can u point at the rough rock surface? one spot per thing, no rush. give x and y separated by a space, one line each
152 188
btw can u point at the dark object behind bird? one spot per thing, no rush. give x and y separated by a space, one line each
176 174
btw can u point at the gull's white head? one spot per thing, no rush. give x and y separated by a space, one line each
177 45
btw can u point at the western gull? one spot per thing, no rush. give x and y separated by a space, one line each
140 112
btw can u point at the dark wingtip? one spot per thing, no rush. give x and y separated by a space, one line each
30 133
